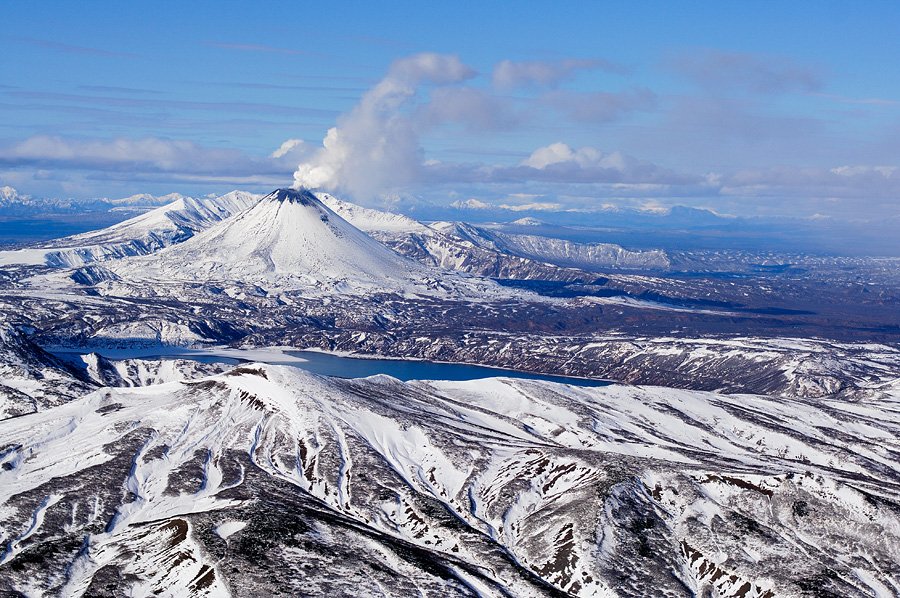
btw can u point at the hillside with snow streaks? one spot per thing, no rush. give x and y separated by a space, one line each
268 479
370 220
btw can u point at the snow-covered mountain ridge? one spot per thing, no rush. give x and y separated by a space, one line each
269 479
8 195
596 257
480 250
141 235
146 200
454 246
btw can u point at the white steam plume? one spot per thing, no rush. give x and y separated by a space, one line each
375 147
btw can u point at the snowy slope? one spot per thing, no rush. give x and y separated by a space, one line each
267 479
141 235
369 220
144 200
144 372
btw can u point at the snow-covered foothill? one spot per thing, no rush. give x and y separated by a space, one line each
523 488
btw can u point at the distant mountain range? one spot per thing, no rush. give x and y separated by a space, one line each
675 228
13 203
489 251
474 210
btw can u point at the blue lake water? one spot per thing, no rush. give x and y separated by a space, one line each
328 364
404 369
19 231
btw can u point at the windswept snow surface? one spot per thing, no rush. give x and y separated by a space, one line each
268 479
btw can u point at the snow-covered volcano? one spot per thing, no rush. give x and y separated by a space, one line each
288 240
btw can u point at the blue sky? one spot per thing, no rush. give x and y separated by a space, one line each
744 108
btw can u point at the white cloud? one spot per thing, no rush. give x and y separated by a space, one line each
471 107
838 182
589 164
556 153
150 158
375 149
850 193
439 69
149 153
509 75
852 171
